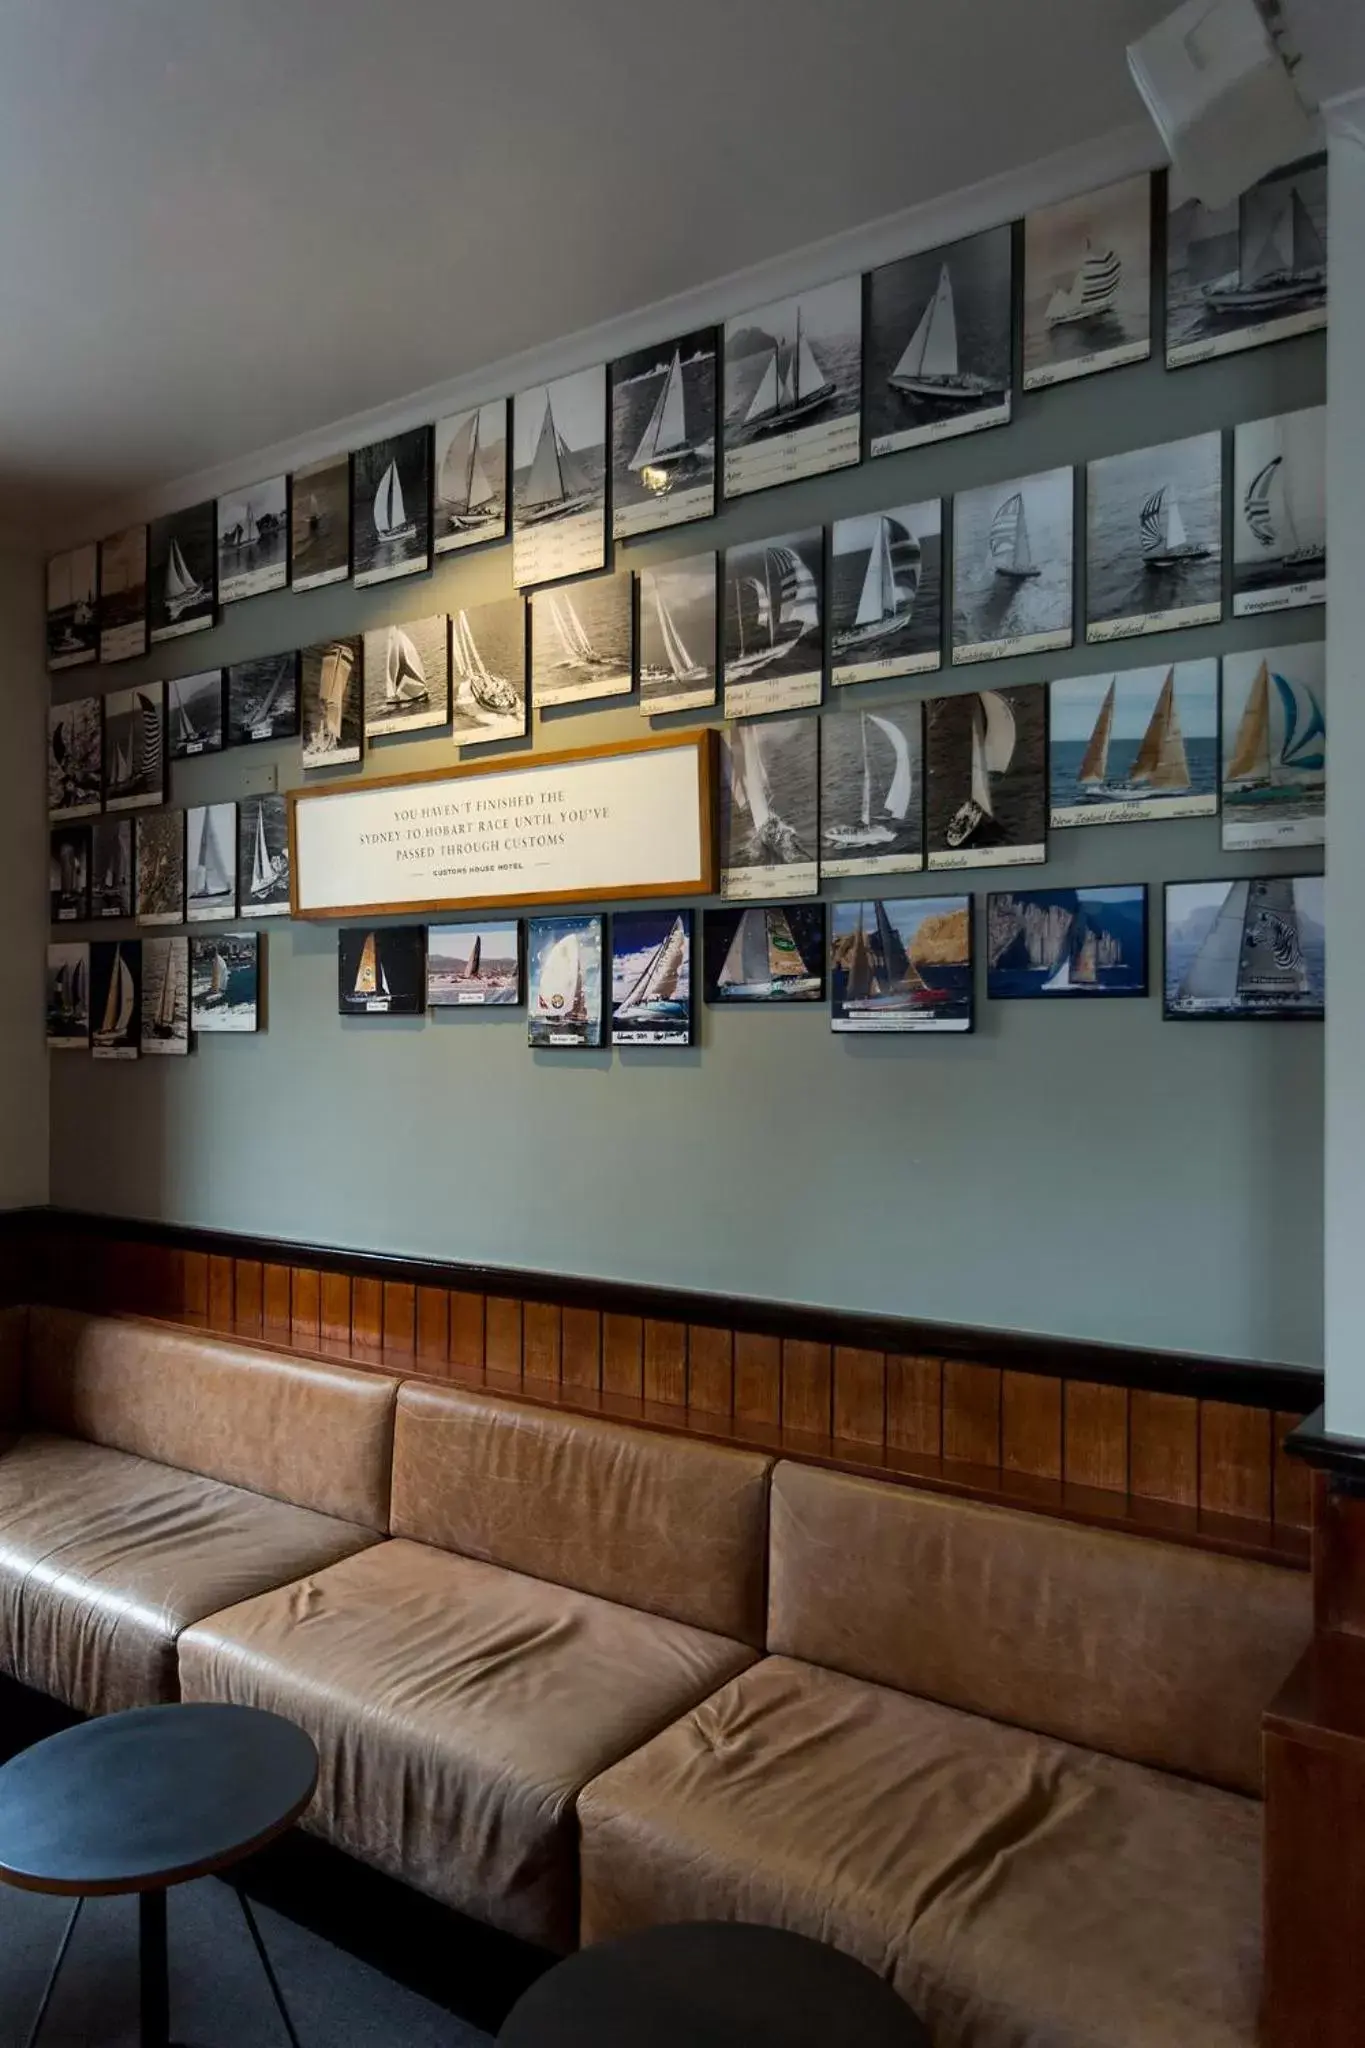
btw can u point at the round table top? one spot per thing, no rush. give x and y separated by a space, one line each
711 1984
131 1802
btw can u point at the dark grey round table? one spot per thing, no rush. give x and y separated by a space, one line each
137 1802
711 1984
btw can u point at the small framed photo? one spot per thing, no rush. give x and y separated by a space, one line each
793 388
391 508
1279 532
72 594
774 654
116 999
1137 744
68 997
676 638
225 981
886 594
1088 284
651 977
182 552
1154 539
253 540
194 714
330 703
663 435
263 855
582 641
263 699
407 676
135 747
559 478
940 329
478 965
1067 942
69 874
770 808
872 791
165 997
773 953
986 756
564 995
123 595
1251 272
211 840
161 867
320 523
1275 748
1252 948
382 970
75 758
471 477
902 964
1012 567
111 866
488 672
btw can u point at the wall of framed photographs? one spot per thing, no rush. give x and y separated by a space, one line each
1078 1167
23 896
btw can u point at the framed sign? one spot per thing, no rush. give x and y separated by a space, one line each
594 823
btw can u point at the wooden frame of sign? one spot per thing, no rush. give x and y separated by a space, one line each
371 825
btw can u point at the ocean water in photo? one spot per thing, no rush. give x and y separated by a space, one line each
682 594
844 767
1204 247
921 632
1018 795
990 606
496 633
1119 584
898 295
632 403
748 357
787 755
773 611
1191 911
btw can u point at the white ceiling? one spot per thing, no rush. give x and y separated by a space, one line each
227 223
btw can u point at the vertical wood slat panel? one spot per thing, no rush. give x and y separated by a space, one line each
433 1324
305 1303
1031 1425
1096 1441
194 1283
807 1387
541 1341
859 1395
1163 1448
220 1293
580 1348
914 1405
710 1369
276 1313
758 1378
249 1288
1293 1504
161 1280
623 1355
400 1316
502 1334
367 1312
467 1321
971 1412
1236 1460
665 1363
335 1308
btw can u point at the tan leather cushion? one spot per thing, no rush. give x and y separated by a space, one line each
673 1527
320 1436
1018 1892
457 1708
1158 1653
104 1558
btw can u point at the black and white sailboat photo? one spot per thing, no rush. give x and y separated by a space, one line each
165 997
886 593
320 523
1251 272
194 714
793 376
161 867
1154 539
123 595
939 329
1279 513
111 866
135 747
1088 284
407 675
75 758
770 808
331 712
69 874
986 778
115 999
391 508
872 791
582 640
182 562
471 477
263 698
1012 567
211 862
68 997
559 478
253 540
676 635
488 672
663 435
72 600
773 649
263 855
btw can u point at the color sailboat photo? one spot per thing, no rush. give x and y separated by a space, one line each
902 965
769 954
564 996
1251 948
1275 748
651 977
1134 744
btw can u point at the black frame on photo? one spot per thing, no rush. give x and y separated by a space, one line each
1065 980
665 983
1284 949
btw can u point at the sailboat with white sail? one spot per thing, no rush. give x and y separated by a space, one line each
1252 956
560 997
771 609
477 684
792 388
666 445
1279 268
658 994
163 1017
1091 293
267 869
1268 509
763 961
183 589
881 821
405 677
212 876
576 648
557 483
188 738
930 367
1164 539
119 1003
1079 961
890 586
773 842
1161 766
469 490
994 737
1275 748
664 653
1008 540
391 521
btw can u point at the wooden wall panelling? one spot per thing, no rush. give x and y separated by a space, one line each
665 1362
305 1304
400 1317
542 1339
367 1312
1095 1436
502 1335
334 1324
467 1328
580 1348
194 1283
1236 1460
710 1369
221 1294
914 1405
859 1395
758 1379
1292 1497
623 1356
971 1413
807 1387
432 1333
1031 1425
1163 1447
248 1296
277 1301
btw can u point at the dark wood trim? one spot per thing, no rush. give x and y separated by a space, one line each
1342 1456
1289 1389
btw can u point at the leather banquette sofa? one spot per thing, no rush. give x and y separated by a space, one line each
574 1677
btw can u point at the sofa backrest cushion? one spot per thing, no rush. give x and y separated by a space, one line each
320 1436
1150 1650
654 1522
13 1337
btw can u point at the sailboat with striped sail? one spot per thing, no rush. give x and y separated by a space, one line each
792 387
764 962
1279 268
930 368
1164 539
1252 955
994 737
476 684
1091 292
890 585
557 483
1274 748
1008 540
1268 510
771 609
469 491
881 819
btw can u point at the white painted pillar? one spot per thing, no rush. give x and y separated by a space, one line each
1344 1206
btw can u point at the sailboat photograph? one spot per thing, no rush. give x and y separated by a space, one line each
211 839
115 998
488 670
330 703
1251 272
939 342
986 778
793 388
182 553
160 867
1154 539
1012 567
382 970
68 997
69 874
165 997
769 954
1252 948
225 982
651 977
391 508
1137 744
111 866
72 626
1275 748
1067 942
582 640
663 435
564 989
871 789
559 494
253 540
134 747
901 965
886 593
1088 284
320 524
769 808
1279 548
262 699
471 477
194 714
263 855
407 675
774 602
676 636
75 759
123 595
478 964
